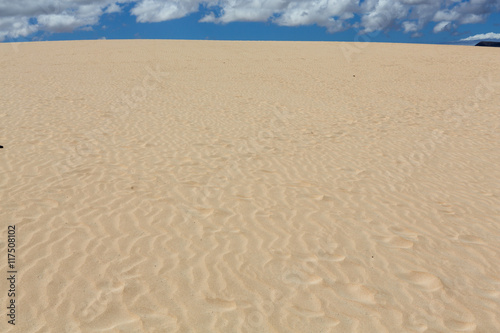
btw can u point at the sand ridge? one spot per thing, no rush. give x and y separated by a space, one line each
202 186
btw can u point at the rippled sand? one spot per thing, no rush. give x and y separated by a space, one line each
200 186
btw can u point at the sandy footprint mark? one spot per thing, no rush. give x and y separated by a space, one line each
423 280
306 271
258 316
396 242
303 273
99 304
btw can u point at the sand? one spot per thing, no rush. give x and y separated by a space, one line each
203 186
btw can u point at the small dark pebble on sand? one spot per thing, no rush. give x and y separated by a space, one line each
1 146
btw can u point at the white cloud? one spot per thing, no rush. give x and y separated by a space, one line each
487 36
63 22
113 8
382 14
15 27
329 14
409 26
443 26
158 11
24 17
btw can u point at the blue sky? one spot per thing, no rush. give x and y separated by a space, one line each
408 21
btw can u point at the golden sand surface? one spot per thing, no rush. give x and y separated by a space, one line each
206 186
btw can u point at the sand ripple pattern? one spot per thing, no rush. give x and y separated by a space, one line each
174 186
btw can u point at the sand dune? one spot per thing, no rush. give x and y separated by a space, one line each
201 186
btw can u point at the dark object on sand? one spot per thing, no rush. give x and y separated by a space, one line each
1 146
492 44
